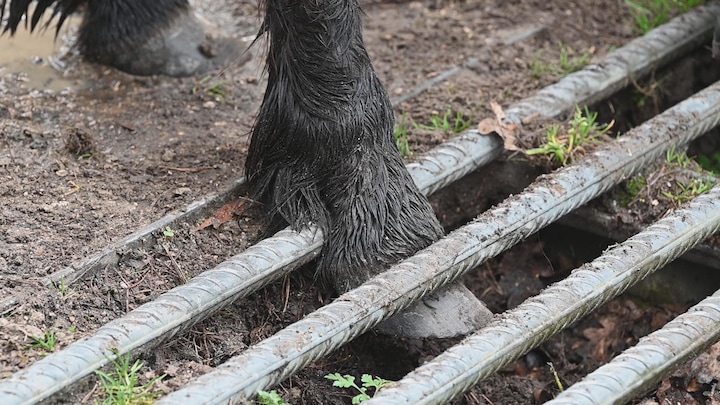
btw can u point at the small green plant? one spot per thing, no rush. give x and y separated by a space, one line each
47 342
122 386
401 137
633 187
217 89
564 144
63 287
686 192
168 232
641 99
539 68
270 398
649 14
448 122
212 87
636 184
570 61
368 381
710 163
678 158
559 383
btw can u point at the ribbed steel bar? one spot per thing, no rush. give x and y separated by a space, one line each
587 86
162 318
613 72
437 169
239 276
517 331
463 154
636 369
549 198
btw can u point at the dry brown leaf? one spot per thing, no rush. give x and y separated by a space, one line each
224 214
508 132
705 368
604 338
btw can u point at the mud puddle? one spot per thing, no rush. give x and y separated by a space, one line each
36 59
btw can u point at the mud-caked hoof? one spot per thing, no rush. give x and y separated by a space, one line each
449 312
186 48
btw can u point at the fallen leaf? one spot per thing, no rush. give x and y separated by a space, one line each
664 387
224 214
705 368
604 338
508 132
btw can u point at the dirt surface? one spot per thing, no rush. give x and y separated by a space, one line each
84 167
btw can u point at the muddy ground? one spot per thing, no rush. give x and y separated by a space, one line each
85 166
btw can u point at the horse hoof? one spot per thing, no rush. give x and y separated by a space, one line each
186 48
449 312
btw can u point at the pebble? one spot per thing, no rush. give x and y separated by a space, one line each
168 155
181 191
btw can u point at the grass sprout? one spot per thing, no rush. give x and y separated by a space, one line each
122 386
564 144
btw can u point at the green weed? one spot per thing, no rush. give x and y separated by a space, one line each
168 232
564 144
368 381
678 158
570 62
710 163
558 383
217 89
401 137
633 187
212 87
63 287
448 122
270 398
47 342
122 386
649 14
686 192
636 184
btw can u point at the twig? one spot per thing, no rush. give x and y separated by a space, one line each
187 169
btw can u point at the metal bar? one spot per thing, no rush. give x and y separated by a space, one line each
459 157
657 354
355 312
612 73
156 321
517 331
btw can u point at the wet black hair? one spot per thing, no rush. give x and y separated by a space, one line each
323 151
108 28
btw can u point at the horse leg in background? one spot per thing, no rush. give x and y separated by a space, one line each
323 152
716 40
140 37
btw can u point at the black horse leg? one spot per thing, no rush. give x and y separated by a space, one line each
323 152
